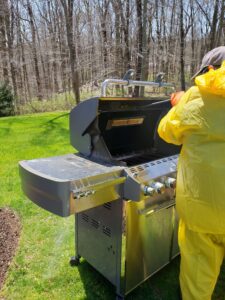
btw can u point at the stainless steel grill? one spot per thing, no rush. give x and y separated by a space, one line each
120 186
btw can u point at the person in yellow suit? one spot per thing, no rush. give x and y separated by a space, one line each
197 122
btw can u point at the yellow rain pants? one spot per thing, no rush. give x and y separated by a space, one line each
201 258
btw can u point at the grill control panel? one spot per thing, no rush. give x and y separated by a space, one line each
156 179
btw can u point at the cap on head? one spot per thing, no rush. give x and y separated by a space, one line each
214 57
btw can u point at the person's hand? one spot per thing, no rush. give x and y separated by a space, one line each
175 97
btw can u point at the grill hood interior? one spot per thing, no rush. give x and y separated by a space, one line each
120 130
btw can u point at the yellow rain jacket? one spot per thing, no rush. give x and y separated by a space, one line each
198 123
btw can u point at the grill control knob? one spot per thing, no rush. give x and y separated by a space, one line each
148 190
158 187
170 182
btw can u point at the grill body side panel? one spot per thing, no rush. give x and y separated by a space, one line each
98 238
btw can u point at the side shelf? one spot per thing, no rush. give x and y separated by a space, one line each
70 183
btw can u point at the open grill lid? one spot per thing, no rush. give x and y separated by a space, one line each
116 129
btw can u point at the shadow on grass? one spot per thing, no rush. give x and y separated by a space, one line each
95 285
162 286
6 126
7 130
58 117
52 132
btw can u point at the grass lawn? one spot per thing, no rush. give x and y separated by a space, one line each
41 269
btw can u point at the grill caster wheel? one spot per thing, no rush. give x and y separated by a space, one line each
74 261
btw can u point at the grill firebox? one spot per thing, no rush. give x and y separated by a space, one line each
120 186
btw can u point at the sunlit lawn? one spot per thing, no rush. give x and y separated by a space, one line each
41 267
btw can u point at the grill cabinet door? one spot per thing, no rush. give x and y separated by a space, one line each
149 242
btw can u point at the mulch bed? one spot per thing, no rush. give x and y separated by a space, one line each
9 236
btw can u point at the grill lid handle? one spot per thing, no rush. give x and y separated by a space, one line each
127 82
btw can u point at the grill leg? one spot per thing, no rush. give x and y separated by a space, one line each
75 261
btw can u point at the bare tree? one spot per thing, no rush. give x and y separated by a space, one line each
68 6
103 10
3 45
182 45
58 46
34 50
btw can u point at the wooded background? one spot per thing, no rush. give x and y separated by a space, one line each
49 47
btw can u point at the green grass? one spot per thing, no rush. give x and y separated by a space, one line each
40 269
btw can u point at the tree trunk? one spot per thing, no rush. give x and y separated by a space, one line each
214 25
182 71
221 25
23 63
34 50
9 22
3 46
68 12
127 63
139 45
118 39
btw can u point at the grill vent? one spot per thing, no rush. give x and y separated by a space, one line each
95 223
85 217
108 205
106 230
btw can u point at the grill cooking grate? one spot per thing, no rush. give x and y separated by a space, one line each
131 161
